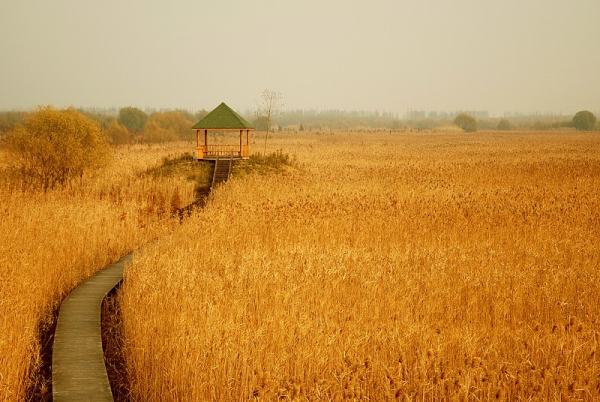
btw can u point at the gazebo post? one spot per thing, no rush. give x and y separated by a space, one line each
205 140
197 138
241 133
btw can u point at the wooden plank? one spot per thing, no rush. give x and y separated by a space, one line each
78 371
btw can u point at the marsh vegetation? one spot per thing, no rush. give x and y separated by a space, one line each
389 266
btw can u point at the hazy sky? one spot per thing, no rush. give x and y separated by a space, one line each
388 55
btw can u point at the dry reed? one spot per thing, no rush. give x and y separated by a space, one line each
434 266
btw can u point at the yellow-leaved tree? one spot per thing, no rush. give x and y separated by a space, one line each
52 147
117 133
168 126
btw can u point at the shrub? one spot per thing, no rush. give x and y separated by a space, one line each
504 125
466 122
132 118
584 120
117 134
154 133
55 146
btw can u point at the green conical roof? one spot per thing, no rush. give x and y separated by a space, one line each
222 117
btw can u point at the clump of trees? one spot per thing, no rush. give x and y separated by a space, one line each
584 120
168 126
53 147
132 118
134 124
117 133
466 122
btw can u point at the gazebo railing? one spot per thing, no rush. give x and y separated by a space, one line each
213 151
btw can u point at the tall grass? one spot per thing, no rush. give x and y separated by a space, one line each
409 266
49 242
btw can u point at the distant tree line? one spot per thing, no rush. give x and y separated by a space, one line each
133 125
337 119
130 125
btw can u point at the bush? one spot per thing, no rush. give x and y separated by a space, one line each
154 133
55 146
117 134
132 118
584 120
504 125
466 122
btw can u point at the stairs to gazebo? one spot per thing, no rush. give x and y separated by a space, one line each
222 170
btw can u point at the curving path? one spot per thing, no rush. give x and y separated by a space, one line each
78 370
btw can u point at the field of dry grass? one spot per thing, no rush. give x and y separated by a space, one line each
383 266
49 242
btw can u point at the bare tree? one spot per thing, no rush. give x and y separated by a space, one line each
271 103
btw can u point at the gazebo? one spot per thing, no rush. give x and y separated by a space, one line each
223 118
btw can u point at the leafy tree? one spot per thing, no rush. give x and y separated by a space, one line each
132 118
504 125
584 120
466 122
155 133
117 134
55 146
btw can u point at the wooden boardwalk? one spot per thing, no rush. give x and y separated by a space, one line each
78 370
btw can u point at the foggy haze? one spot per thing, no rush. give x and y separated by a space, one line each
388 55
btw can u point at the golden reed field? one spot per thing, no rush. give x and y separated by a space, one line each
427 267
49 242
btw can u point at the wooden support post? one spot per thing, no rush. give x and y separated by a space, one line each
197 138
205 139
247 131
241 133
